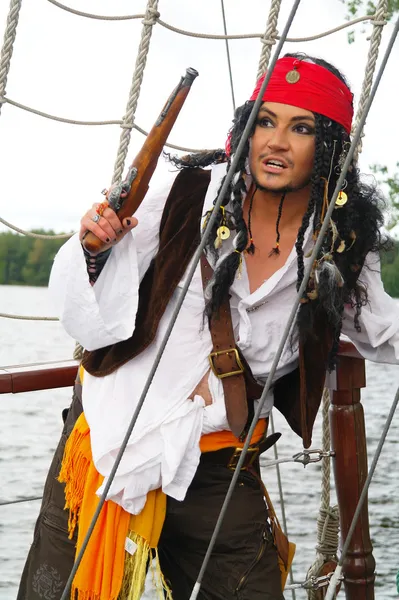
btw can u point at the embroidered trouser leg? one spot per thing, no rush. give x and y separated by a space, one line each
243 564
52 554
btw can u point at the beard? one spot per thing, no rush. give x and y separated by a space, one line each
284 189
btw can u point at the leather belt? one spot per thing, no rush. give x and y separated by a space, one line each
227 363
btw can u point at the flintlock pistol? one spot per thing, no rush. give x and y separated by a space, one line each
143 166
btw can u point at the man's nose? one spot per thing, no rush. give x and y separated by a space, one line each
278 139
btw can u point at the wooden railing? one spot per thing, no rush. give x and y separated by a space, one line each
29 378
348 441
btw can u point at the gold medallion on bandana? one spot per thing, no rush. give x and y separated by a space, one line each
292 76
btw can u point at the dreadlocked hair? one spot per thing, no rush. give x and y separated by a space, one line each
226 271
358 225
204 158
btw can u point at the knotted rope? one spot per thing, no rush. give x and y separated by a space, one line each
379 23
269 37
149 21
8 45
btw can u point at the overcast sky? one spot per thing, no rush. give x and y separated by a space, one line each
80 68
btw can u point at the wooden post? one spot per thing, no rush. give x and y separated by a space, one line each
348 441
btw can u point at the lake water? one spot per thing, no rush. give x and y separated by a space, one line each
31 424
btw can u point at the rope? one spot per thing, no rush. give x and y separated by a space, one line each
27 318
228 57
4 99
148 22
210 36
40 236
245 36
7 503
328 518
79 13
78 352
269 38
282 503
378 22
9 38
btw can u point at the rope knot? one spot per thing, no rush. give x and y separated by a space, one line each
379 23
151 16
127 124
269 40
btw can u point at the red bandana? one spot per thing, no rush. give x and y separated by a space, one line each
309 86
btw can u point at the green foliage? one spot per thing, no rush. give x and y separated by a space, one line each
25 260
360 7
357 8
390 271
391 184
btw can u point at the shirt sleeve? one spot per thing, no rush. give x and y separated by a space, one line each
105 313
378 339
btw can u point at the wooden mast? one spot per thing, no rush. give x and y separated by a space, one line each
348 441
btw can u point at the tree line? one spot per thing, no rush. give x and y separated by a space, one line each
27 261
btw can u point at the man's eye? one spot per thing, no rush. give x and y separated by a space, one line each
304 129
265 122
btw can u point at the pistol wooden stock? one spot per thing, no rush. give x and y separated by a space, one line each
147 159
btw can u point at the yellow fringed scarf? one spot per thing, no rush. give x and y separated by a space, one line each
106 571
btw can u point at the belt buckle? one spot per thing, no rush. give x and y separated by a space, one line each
252 453
230 373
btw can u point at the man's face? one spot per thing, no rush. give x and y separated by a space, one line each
281 151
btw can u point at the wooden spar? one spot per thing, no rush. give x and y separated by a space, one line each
348 441
38 377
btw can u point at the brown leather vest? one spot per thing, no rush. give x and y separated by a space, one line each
296 395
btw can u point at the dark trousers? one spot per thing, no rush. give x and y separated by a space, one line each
243 564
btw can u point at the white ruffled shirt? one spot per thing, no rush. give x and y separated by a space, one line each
163 449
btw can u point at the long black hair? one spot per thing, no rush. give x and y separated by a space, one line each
358 223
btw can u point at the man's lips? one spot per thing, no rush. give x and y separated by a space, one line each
276 161
274 164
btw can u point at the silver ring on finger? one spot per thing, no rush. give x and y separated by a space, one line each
96 218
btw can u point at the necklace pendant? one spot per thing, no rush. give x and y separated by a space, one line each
341 200
223 232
